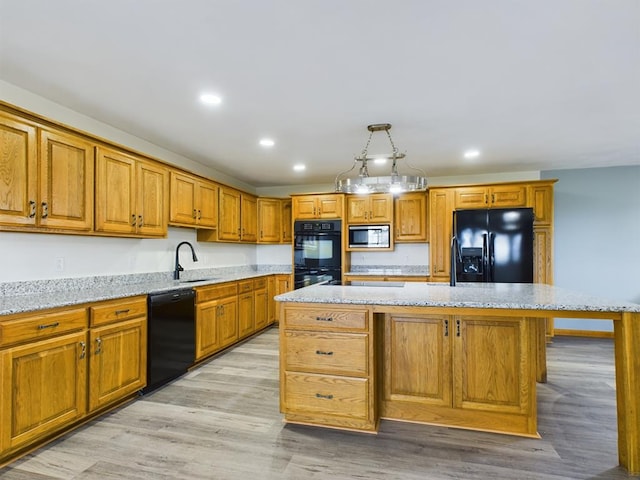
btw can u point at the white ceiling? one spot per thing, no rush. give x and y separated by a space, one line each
535 85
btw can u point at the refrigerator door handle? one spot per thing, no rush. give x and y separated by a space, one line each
485 258
491 256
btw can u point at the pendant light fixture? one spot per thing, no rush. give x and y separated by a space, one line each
395 182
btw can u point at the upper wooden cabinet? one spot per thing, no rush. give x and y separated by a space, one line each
328 205
18 171
47 177
130 195
286 222
373 208
496 196
440 208
270 223
237 217
193 201
410 214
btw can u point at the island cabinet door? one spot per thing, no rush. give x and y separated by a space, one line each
417 353
493 364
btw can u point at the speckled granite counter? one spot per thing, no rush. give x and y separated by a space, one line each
389 270
20 297
470 295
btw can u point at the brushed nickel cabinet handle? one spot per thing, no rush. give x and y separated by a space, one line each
32 209
50 325
140 223
98 346
457 328
195 213
125 310
320 352
324 319
133 220
486 198
446 328
45 210
326 397
83 351
199 214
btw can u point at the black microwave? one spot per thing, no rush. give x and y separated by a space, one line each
369 236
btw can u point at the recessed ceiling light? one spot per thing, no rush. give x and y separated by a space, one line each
299 167
267 142
472 153
210 99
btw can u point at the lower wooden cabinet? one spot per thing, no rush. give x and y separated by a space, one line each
60 366
246 319
326 370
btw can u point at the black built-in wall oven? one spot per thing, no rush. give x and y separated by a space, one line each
317 252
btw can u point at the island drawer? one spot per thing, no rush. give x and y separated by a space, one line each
337 353
118 310
326 318
25 328
327 395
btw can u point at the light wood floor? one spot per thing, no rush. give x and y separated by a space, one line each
222 422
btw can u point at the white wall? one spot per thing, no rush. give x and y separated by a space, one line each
597 235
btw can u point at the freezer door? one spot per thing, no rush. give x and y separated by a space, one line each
510 242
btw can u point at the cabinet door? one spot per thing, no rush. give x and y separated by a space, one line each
44 388
229 214
269 221
261 309
18 171
329 206
493 364
182 189
246 321
508 196
287 226
417 355
249 218
471 197
66 181
541 200
411 217
357 209
115 192
151 200
380 208
118 367
207 204
228 321
282 285
304 208
440 217
207 326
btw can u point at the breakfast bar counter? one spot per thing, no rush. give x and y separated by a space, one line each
465 357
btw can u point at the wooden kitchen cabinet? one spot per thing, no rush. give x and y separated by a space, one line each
19 162
193 201
439 365
261 307
410 215
282 283
269 220
237 217
216 318
318 206
130 195
48 177
373 208
440 215
117 350
286 222
43 366
326 366
246 308
495 196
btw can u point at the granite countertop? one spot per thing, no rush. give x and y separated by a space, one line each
389 270
18 297
472 295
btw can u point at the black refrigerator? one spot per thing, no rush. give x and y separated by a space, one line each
493 245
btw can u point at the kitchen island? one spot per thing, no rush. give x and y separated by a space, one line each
464 356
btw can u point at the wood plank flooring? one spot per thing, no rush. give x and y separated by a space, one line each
222 422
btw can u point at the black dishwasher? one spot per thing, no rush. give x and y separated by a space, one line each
171 336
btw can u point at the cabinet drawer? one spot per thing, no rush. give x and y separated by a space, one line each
204 294
326 318
34 327
117 310
337 353
245 286
327 395
259 283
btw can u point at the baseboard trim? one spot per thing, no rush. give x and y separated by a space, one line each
582 333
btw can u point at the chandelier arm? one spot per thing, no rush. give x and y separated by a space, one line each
355 162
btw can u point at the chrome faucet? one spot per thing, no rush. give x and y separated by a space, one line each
178 269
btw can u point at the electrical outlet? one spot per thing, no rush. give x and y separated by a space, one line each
59 265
